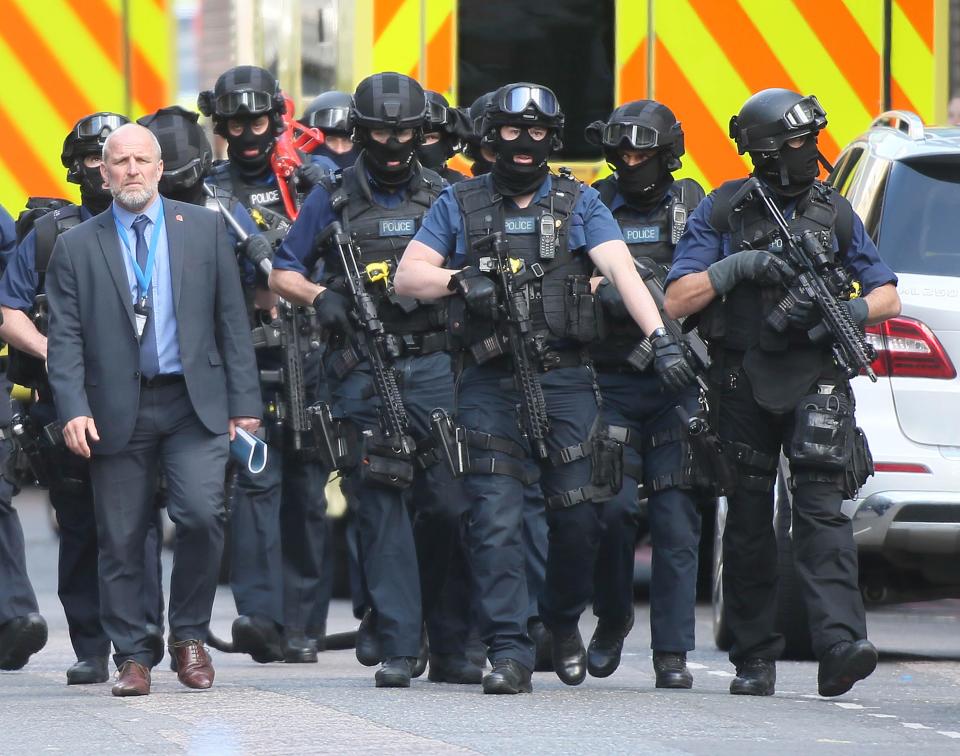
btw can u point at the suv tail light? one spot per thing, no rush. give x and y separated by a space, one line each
907 348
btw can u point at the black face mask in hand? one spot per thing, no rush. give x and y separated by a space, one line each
379 154
512 179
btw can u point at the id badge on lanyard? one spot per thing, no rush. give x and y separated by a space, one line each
141 309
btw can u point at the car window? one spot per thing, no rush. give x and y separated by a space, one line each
843 171
920 221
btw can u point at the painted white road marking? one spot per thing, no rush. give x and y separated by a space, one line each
915 726
720 673
949 733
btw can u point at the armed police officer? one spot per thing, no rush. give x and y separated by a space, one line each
525 311
643 142
331 113
441 140
780 373
277 526
378 204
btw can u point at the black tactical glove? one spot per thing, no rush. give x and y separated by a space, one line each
611 300
756 265
257 248
804 314
858 309
333 311
478 290
308 176
669 361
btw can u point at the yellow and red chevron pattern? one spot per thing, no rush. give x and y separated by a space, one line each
62 60
710 55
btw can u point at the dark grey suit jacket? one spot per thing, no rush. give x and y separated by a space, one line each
93 356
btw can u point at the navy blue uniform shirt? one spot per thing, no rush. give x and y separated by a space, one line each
591 223
8 237
701 246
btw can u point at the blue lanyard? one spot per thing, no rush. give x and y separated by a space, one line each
143 279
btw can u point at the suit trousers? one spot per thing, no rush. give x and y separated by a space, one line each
638 402
168 437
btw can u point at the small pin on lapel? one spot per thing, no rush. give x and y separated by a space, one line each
179 218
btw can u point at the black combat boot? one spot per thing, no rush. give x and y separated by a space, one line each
21 637
368 642
671 669
454 668
395 672
569 657
606 646
844 664
259 637
543 640
755 677
299 649
507 677
88 671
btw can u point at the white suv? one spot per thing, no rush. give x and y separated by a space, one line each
903 180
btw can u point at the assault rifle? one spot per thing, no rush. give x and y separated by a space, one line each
515 306
393 415
818 283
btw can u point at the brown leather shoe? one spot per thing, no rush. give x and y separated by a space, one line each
194 667
133 680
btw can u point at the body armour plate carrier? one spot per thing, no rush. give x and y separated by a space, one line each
381 235
651 238
558 282
252 195
738 321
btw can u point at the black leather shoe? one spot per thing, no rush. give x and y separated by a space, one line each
422 655
477 652
543 639
507 677
844 664
395 672
155 641
671 669
259 637
21 637
755 677
88 671
299 650
569 658
606 646
454 668
319 637
368 642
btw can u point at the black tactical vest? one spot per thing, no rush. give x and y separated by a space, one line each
556 280
651 238
381 234
738 321
252 195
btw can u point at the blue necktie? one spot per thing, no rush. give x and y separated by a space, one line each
149 353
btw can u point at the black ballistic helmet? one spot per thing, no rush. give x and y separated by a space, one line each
439 115
773 116
473 133
524 104
86 138
639 125
389 101
186 151
243 91
330 112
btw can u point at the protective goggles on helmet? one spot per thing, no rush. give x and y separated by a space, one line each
516 100
94 127
804 113
636 136
333 119
436 114
185 176
251 101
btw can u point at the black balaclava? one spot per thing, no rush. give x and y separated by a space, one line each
434 156
512 179
193 195
93 194
342 159
259 164
481 166
793 171
378 154
643 185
